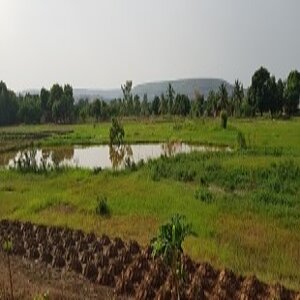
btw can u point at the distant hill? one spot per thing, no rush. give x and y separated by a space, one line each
92 94
182 86
152 89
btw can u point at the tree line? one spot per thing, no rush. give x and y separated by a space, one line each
265 95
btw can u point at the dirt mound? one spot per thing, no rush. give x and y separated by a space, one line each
128 267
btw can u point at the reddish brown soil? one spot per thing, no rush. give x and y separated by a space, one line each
31 279
74 265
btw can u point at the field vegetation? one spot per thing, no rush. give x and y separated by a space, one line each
244 206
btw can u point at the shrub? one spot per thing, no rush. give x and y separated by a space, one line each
204 195
102 208
224 118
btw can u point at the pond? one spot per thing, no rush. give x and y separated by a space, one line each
101 156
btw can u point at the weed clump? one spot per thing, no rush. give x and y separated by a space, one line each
271 198
241 141
102 208
204 195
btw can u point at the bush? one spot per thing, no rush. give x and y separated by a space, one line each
102 208
224 118
204 195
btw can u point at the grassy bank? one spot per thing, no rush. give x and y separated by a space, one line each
244 206
259 133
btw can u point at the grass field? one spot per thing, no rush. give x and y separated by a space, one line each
259 133
244 206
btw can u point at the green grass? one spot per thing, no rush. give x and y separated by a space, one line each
251 223
261 134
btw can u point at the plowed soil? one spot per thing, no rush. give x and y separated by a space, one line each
73 265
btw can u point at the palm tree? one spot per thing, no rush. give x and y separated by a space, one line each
237 96
223 97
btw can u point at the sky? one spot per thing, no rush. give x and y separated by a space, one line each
103 43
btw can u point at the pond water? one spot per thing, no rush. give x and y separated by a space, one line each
101 156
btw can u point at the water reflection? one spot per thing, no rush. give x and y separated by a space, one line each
120 155
61 154
173 147
103 156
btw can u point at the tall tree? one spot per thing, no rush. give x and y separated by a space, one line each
212 104
8 105
45 105
137 105
145 106
163 107
223 97
30 109
280 94
292 93
127 97
198 104
260 89
155 105
273 104
237 97
182 105
170 98
67 103
96 109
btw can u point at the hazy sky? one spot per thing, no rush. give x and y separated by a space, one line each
101 43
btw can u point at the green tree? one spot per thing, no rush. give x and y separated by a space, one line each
96 109
67 103
163 106
170 98
273 104
8 105
56 93
62 103
280 94
292 93
30 109
237 97
145 106
212 104
198 104
182 105
223 97
155 105
260 90
137 105
127 97
105 113
45 105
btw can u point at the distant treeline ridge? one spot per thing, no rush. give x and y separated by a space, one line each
265 95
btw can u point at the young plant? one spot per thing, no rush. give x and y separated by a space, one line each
7 247
102 208
241 141
168 244
116 133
